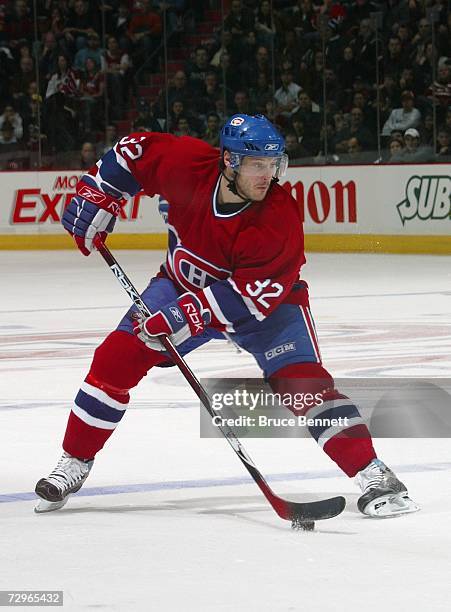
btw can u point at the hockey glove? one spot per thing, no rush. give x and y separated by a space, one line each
180 320
90 212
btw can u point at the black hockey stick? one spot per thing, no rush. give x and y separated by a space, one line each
302 514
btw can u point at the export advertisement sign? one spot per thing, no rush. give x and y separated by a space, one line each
402 200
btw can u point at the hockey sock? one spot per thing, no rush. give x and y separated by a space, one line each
349 443
119 363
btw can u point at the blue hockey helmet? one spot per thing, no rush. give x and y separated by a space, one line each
254 136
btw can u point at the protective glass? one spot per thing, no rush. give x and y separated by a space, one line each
249 165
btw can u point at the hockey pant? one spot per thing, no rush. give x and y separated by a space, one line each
284 345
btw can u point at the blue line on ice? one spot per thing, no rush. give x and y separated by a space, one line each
173 485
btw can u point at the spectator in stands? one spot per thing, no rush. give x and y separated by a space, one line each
13 119
302 18
422 67
260 94
427 129
59 112
241 103
423 34
354 151
7 136
364 49
356 129
290 48
228 45
403 118
447 123
146 121
286 97
395 149
440 91
229 76
251 67
211 134
144 31
221 109
307 112
108 142
57 27
293 148
240 20
21 80
197 69
210 90
407 80
119 25
394 61
31 109
184 128
178 89
267 23
348 69
87 156
177 110
48 56
91 51
118 76
81 22
19 25
92 88
443 147
413 152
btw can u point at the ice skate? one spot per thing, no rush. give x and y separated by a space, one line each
68 477
383 494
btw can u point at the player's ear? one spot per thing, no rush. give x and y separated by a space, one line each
226 159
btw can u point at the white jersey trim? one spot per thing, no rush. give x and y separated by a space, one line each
248 302
215 200
90 420
217 310
102 396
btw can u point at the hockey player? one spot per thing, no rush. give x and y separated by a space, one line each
234 254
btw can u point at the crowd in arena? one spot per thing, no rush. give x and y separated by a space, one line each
346 81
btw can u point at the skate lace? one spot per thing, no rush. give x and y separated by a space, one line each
67 473
373 477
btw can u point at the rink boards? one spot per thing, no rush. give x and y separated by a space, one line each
393 209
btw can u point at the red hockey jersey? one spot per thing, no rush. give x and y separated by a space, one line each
242 264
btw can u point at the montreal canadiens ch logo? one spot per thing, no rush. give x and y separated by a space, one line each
237 121
192 272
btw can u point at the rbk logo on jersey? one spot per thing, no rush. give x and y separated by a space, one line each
192 272
96 197
271 146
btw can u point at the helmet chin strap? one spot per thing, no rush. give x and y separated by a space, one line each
231 186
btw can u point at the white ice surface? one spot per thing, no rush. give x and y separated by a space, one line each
193 536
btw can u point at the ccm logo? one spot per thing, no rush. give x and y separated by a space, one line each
279 350
271 147
93 196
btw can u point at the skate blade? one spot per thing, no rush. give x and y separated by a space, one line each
46 506
391 505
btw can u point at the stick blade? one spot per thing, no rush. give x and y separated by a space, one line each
310 511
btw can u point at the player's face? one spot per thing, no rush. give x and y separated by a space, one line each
254 176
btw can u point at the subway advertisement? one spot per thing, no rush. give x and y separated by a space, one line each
344 208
